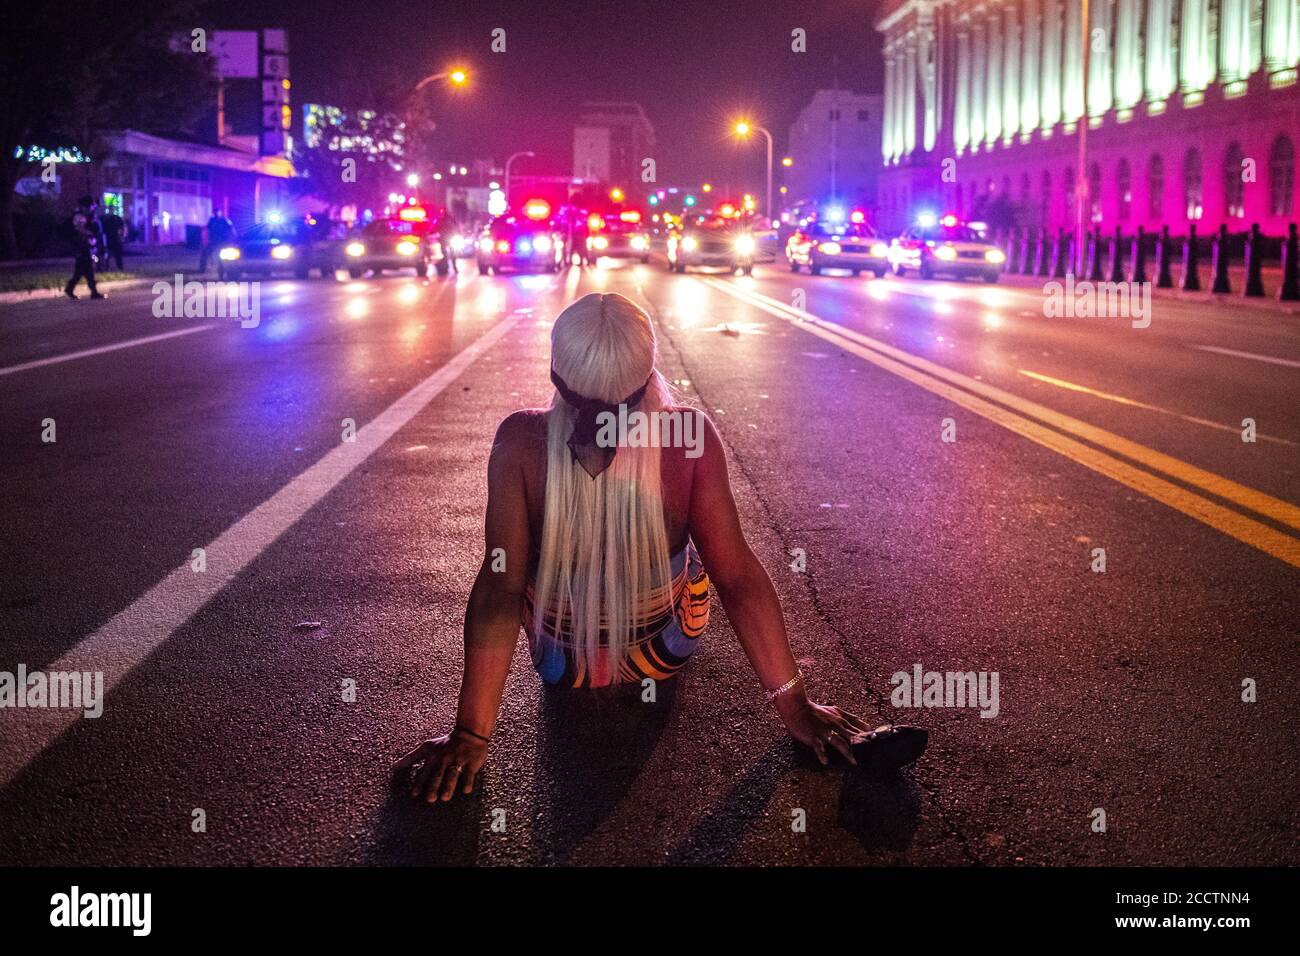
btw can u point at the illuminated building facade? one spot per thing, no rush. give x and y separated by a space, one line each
1193 111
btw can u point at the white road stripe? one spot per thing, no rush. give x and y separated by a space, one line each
1250 355
127 639
87 353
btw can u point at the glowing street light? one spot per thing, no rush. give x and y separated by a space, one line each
616 194
787 162
743 129
413 180
707 187
458 77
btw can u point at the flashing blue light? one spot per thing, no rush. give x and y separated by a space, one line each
524 245
926 219
835 213
654 200
274 217
689 200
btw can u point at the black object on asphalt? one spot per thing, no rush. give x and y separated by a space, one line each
889 748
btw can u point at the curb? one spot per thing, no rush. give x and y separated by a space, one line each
57 292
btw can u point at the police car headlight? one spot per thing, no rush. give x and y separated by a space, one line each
406 248
996 256
485 245
946 253
690 243
829 248
639 243
459 242
281 252
879 250
598 242
355 249
541 243
744 245
229 254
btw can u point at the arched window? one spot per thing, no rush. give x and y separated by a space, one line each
1124 188
1094 193
1046 208
1156 188
1234 190
1192 196
1281 177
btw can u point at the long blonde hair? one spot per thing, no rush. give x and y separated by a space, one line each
604 565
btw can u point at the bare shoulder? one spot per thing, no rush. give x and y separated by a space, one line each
692 434
520 435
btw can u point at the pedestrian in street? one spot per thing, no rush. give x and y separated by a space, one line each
87 241
113 227
598 548
220 231
446 235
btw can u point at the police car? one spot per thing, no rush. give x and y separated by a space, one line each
833 242
712 239
945 246
404 241
618 235
526 241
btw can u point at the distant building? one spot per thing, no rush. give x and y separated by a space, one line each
610 142
353 131
835 148
1193 109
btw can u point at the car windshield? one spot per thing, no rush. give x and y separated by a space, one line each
715 223
390 227
859 229
951 234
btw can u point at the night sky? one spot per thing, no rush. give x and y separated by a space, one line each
692 66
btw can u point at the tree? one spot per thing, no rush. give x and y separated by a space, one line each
74 70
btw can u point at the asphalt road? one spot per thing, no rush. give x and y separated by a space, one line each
331 562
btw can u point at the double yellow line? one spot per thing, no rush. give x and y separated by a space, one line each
1031 420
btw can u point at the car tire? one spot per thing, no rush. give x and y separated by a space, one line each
814 269
442 268
679 267
302 273
990 277
926 272
794 266
856 273
880 272
482 268
900 270
356 272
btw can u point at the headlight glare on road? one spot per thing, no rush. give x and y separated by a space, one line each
745 245
690 243
281 252
996 256
829 248
407 248
879 250
946 253
229 254
355 249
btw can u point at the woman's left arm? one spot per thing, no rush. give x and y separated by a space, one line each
492 620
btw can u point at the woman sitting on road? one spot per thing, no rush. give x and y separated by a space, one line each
593 546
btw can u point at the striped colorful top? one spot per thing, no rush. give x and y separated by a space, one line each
658 649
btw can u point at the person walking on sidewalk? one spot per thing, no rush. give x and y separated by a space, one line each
87 240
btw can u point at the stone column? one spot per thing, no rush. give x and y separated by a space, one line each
1128 53
1161 70
1031 63
1072 63
1196 68
927 62
993 104
979 83
1010 71
909 95
1049 98
1100 90
961 103
1281 34
890 117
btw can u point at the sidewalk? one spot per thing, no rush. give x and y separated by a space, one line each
25 279
1236 275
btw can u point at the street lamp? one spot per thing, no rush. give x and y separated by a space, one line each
457 77
743 129
513 157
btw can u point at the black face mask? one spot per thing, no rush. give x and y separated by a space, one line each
592 457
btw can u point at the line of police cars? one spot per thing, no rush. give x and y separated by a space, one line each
538 238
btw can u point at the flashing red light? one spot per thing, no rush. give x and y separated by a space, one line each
594 222
857 216
537 209
727 209
413 213
630 215
949 220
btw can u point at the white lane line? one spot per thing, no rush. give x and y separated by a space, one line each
87 353
1249 355
127 639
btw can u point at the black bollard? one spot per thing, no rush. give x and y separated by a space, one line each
1026 266
1191 262
1219 262
1254 264
1041 263
1164 268
1117 257
1071 254
1094 255
1138 259
1059 252
1289 290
